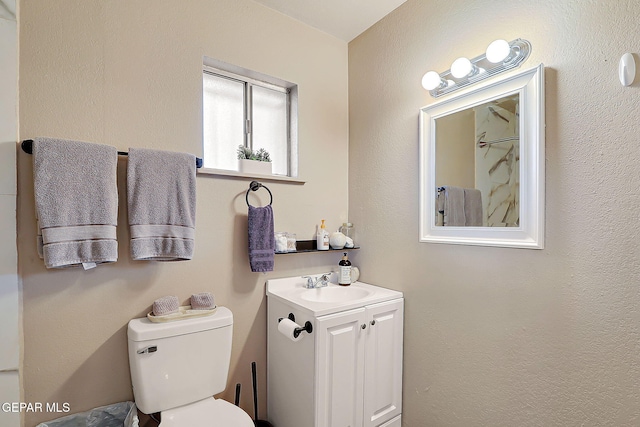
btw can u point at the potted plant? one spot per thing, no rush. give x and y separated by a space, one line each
255 162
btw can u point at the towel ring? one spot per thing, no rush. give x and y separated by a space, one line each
255 186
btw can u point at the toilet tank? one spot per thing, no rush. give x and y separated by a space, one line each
179 362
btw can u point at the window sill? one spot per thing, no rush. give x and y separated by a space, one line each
240 175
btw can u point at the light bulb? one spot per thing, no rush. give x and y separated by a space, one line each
498 51
461 67
431 80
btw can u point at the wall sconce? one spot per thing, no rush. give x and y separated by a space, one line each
499 57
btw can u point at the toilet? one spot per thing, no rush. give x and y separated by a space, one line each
176 368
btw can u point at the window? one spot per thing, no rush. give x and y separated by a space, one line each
246 108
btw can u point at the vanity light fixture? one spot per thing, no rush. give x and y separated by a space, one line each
462 67
499 57
498 51
432 80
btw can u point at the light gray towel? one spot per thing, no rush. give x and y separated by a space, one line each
453 206
202 301
472 207
161 194
76 202
166 305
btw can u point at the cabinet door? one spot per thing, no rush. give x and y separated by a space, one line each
339 369
383 362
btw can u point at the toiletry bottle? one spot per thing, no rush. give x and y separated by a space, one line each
344 274
322 238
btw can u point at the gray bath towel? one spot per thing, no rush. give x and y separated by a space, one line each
472 207
76 202
261 238
453 206
161 194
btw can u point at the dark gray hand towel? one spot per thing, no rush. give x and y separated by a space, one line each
161 194
261 238
76 202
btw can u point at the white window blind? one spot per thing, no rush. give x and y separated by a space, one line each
223 121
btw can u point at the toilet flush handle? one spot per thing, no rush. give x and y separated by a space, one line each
150 349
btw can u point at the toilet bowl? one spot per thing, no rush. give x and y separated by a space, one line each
176 367
206 413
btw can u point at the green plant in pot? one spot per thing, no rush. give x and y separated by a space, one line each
254 162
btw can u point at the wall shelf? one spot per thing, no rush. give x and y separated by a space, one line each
309 246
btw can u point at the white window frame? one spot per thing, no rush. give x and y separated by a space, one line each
250 79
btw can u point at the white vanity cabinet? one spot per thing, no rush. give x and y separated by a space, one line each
359 366
348 371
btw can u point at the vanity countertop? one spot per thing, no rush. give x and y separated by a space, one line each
330 299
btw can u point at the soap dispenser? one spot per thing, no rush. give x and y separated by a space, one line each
322 238
344 274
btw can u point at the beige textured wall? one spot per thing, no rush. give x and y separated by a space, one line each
456 160
494 336
128 73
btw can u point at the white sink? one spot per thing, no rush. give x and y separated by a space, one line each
329 299
334 293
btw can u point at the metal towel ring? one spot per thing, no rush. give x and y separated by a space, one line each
255 186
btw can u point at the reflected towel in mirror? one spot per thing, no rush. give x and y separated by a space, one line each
459 207
451 205
472 207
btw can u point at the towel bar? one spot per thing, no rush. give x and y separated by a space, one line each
27 147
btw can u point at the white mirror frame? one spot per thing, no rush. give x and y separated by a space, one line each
529 85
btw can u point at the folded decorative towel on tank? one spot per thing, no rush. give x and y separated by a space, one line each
76 202
166 305
202 301
161 195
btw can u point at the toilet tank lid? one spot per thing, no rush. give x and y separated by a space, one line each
143 329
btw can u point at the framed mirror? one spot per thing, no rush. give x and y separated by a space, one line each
482 165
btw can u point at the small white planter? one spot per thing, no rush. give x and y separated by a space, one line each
254 167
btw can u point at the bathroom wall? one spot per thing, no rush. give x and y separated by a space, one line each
129 74
496 336
456 163
9 284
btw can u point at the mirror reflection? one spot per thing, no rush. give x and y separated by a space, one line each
477 165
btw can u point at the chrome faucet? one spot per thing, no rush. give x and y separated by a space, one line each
319 282
323 280
310 284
